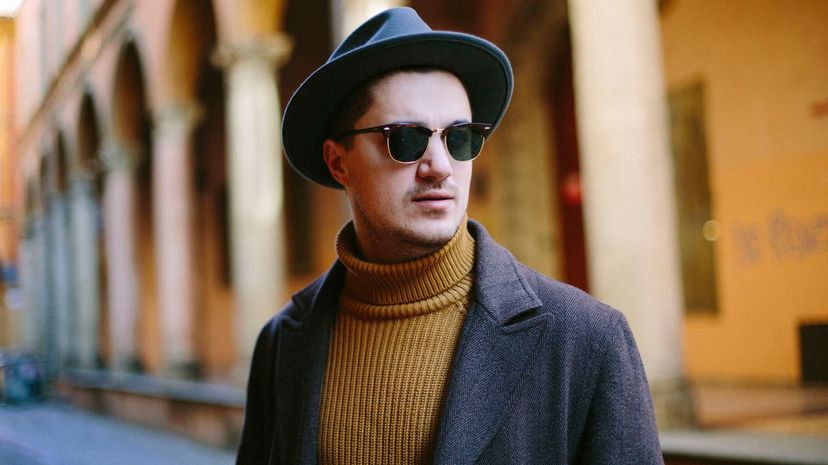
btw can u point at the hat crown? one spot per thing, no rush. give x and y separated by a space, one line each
390 24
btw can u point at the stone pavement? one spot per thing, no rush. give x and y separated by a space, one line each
750 424
743 447
52 433
747 425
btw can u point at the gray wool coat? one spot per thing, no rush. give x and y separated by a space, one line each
542 374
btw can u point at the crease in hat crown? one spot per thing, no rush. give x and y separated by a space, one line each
393 39
380 27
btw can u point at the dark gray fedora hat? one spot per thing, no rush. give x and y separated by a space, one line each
396 38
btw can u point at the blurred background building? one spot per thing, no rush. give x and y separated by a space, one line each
669 157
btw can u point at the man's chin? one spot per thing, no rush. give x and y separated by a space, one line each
434 233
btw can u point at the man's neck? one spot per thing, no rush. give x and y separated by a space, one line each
395 248
372 251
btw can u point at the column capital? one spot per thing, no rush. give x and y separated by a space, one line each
178 117
274 48
119 156
82 181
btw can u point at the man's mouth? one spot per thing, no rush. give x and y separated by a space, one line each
434 195
434 199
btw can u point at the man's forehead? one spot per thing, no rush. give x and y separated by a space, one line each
408 93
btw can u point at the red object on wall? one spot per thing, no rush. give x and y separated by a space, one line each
571 188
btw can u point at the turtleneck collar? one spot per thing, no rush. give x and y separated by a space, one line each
430 281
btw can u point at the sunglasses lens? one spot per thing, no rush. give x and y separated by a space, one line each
407 144
464 142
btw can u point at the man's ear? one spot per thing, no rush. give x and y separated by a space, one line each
334 155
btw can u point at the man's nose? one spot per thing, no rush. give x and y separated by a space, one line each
436 161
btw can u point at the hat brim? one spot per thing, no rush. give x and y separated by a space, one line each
482 68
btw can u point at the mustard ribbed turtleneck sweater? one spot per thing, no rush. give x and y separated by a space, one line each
390 353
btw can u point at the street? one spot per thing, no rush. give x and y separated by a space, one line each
53 433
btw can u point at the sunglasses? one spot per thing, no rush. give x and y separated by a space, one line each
407 142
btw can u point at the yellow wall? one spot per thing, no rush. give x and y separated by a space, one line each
763 64
9 320
6 131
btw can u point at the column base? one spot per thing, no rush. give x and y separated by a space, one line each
673 404
127 364
240 374
185 370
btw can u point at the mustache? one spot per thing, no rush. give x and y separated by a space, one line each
422 189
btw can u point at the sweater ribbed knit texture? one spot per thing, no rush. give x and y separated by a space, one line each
391 352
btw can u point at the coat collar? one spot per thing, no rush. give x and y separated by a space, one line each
493 352
500 286
490 357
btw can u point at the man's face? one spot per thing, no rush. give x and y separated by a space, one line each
405 211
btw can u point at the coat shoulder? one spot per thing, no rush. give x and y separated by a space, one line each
574 310
305 302
508 287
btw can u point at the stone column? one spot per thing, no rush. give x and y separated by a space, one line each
255 186
629 204
36 280
87 281
59 266
119 212
173 185
30 279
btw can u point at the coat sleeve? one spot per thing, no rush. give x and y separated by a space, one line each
621 426
257 432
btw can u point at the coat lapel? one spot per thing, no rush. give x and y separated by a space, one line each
302 376
492 354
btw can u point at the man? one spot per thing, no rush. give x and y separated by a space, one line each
427 342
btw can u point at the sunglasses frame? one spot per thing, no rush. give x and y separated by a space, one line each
385 130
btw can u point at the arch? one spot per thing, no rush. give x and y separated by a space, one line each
61 165
536 40
311 212
45 179
212 227
132 131
192 40
538 170
89 168
32 198
89 137
130 112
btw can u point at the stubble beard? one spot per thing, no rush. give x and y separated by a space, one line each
406 240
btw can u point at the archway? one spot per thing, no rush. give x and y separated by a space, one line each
61 257
528 190
92 288
313 214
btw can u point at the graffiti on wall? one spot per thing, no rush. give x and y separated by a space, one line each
781 237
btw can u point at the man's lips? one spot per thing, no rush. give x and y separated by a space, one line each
433 196
434 200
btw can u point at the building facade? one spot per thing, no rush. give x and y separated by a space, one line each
158 226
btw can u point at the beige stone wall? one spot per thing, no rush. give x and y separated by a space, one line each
763 66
